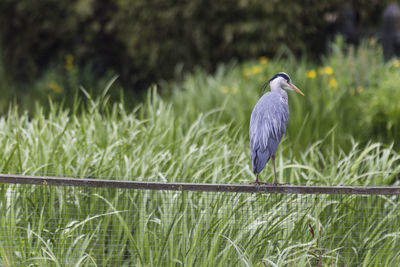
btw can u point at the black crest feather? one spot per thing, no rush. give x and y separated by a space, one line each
280 74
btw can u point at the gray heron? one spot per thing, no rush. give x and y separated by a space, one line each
268 122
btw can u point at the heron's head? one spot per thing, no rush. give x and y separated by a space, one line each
281 81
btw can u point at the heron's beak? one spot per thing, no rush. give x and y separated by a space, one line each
294 88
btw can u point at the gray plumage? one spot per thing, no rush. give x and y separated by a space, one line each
268 122
267 125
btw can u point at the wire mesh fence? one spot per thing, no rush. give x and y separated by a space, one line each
99 226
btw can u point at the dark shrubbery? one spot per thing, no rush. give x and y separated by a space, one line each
143 41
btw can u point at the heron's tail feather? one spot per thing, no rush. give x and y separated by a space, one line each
259 160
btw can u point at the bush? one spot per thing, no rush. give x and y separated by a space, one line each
143 40
381 107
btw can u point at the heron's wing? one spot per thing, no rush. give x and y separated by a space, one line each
267 125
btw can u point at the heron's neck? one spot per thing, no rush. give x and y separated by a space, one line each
276 87
284 96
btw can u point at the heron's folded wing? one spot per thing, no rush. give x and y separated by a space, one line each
267 125
268 120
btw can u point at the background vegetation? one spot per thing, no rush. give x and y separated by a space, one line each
352 91
134 39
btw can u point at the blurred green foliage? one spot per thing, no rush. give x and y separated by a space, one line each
60 83
351 91
144 41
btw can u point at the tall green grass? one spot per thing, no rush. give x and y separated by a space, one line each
155 143
50 226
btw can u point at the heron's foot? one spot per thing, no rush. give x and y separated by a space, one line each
260 183
279 184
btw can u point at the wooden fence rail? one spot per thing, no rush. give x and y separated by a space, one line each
246 188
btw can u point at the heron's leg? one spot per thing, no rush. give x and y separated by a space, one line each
273 163
257 182
276 180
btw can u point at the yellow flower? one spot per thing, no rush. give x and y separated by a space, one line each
311 74
225 89
360 89
252 71
332 82
325 70
396 63
69 62
234 90
263 60
255 69
53 85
